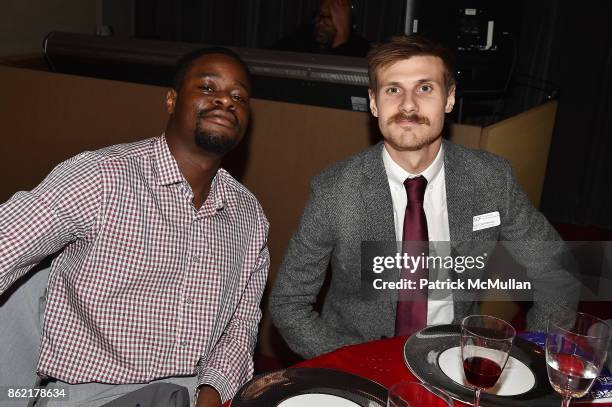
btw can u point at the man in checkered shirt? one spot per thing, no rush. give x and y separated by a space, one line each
164 257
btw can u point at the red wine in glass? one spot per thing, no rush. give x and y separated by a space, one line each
485 345
481 372
570 375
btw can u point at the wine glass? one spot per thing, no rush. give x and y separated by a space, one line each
414 394
576 350
485 344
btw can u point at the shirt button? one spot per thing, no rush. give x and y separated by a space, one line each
184 343
196 259
187 300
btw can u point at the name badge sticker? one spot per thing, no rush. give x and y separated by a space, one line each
486 220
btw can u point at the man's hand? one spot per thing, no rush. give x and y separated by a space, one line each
208 397
340 11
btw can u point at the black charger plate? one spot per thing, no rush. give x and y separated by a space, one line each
270 389
434 340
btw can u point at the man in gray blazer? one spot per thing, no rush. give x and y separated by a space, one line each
363 198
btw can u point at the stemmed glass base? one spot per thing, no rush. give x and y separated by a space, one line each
477 397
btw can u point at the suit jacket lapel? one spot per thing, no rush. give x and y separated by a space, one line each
374 189
379 224
459 194
376 195
460 197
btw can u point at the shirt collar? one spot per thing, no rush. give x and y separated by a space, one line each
397 175
218 195
168 171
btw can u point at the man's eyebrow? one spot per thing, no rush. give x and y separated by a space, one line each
207 75
392 83
396 83
243 85
216 76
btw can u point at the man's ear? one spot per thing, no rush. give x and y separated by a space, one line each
450 99
373 107
171 101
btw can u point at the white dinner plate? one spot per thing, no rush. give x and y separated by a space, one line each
309 400
516 378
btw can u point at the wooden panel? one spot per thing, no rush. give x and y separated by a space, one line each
524 140
466 135
289 144
48 118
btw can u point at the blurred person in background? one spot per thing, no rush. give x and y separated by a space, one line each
331 33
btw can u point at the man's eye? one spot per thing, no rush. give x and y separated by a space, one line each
207 89
238 98
425 88
393 90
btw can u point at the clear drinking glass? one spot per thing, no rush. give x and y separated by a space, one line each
576 350
485 345
414 394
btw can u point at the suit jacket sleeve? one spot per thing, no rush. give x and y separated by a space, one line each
300 278
538 247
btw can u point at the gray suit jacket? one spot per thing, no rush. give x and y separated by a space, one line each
350 202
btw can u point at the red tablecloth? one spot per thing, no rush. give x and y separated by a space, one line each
380 361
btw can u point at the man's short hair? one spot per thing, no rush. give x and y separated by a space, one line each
183 64
402 47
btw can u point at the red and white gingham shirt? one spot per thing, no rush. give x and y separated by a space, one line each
147 286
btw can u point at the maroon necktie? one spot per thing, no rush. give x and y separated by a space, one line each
412 304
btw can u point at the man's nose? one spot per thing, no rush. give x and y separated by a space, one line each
408 103
224 100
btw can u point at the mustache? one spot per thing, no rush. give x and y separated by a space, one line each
414 117
214 111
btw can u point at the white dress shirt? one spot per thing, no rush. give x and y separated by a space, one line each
434 205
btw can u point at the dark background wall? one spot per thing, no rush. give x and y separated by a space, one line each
579 189
254 23
24 23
